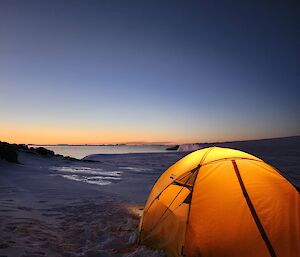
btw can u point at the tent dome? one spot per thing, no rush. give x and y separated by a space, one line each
222 202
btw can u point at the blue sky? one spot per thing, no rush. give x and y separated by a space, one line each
154 71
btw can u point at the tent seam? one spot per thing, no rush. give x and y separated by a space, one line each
168 207
253 212
233 158
188 215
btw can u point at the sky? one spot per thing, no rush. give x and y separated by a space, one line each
91 72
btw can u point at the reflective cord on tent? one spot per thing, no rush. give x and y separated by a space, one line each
253 212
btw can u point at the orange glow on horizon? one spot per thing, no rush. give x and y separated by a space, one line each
43 136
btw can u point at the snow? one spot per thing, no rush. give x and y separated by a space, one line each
57 207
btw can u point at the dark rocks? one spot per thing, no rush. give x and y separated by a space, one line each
43 151
172 148
8 152
68 158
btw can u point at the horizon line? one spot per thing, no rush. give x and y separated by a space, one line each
137 143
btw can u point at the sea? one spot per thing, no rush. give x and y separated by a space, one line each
81 151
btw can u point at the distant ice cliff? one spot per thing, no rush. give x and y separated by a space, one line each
189 147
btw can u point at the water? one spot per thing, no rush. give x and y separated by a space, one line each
82 151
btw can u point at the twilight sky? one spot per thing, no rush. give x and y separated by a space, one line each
148 71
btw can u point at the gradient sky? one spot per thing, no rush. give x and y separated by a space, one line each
150 71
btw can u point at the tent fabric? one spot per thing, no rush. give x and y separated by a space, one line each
219 202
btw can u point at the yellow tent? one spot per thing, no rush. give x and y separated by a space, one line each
221 202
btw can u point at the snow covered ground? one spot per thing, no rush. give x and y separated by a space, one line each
50 206
55 207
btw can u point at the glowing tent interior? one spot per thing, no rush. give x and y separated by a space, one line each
222 202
